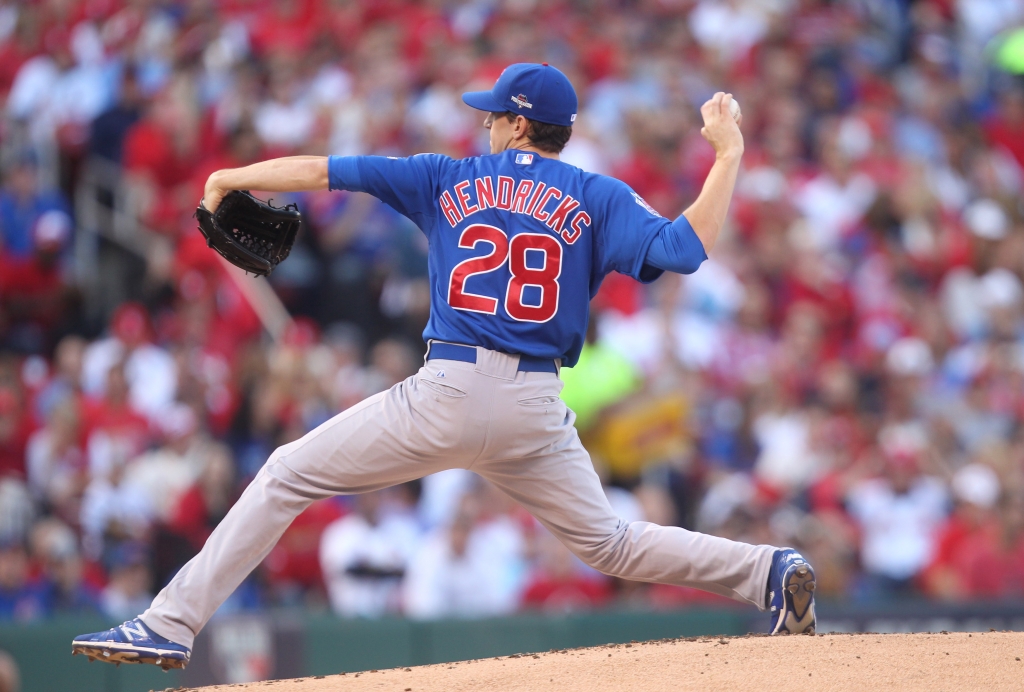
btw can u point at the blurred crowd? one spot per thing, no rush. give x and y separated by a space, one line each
845 375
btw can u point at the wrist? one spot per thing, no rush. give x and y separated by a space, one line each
214 181
732 154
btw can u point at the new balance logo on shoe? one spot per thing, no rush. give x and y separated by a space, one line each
133 630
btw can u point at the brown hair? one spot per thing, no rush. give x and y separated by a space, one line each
544 136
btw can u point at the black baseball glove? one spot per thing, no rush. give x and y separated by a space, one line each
250 233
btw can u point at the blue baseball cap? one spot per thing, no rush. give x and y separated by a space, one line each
535 91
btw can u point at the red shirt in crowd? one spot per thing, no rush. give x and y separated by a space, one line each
970 561
148 148
564 594
1008 135
29 287
15 428
296 557
119 421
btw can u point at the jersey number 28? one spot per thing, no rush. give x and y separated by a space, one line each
545 278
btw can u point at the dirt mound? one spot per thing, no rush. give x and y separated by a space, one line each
860 662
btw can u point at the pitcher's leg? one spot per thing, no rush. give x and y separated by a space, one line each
561 489
239 543
388 439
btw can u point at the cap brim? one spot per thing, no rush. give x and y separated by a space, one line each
482 101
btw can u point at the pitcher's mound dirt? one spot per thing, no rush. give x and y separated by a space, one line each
859 662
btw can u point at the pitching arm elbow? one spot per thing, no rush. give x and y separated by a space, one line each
676 248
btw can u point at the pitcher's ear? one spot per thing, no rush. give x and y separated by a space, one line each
521 127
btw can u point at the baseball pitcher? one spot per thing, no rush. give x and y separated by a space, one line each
519 244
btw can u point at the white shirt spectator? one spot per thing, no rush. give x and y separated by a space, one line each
786 459
731 28
968 300
32 87
500 540
48 97
983 19
454 575
899 531
52 471
832 208
163 476
363 563
442 493
104 504
17 510
284 123
585 153
440 112
151 372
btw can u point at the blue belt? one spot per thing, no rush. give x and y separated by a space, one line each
467 354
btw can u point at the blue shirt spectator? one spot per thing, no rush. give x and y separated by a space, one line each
22 202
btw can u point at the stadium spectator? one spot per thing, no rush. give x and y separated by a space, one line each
109 129
36 297
55 460
970 561
149 369
21 598
365 555
129 588
65 379
56 553
200 508
114 432
15 427
23 200
113 510
560 583
899 513
163 475
470 568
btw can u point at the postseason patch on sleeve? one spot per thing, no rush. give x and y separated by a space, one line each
524 159
643 203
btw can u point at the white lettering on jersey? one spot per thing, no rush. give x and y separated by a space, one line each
549 205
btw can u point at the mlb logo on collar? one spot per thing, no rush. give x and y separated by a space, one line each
524 158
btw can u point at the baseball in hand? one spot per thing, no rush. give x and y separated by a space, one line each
734 109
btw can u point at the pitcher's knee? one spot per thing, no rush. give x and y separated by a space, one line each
286 463
279 454
279 480
609 555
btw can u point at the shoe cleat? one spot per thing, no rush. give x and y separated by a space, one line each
132 642
791 585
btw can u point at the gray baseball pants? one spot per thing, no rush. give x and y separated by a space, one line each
511 428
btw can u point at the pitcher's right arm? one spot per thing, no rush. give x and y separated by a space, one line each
707 214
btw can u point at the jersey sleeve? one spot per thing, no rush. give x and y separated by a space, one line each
676 248
624 228
408 185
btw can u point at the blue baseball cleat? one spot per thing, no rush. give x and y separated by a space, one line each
791 593
131 642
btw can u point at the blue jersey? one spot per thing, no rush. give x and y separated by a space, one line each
519 243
